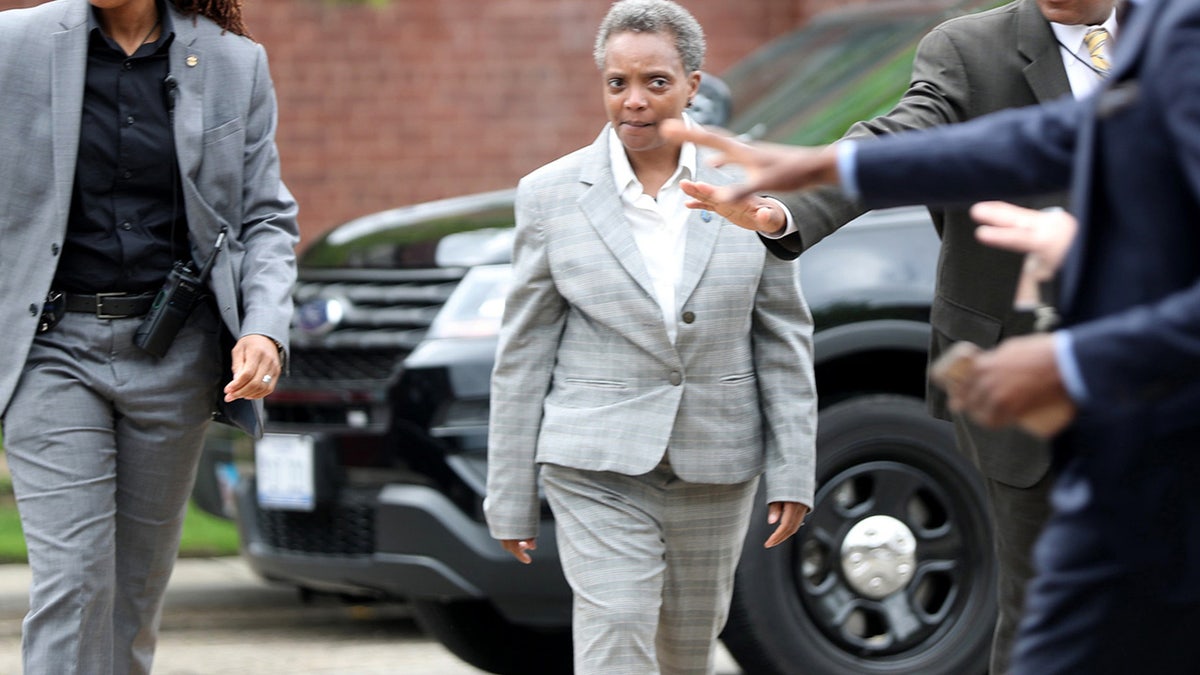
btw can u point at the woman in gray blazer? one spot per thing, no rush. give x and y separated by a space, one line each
136 137
653 362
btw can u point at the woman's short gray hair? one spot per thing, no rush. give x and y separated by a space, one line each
654 16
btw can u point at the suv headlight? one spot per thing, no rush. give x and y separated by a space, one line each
475 307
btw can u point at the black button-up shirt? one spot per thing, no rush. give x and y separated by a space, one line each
126 227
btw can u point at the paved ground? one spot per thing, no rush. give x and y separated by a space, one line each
221 619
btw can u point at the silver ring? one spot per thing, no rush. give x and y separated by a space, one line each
266 379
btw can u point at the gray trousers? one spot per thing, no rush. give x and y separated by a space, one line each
1018 515
651 562
102 441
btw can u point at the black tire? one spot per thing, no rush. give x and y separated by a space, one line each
476 633
796 609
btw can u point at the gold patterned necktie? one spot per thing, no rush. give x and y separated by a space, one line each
1096 41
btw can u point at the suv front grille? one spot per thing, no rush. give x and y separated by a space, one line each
352 331
320 364
345 528
354 326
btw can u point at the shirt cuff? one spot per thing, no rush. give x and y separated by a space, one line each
847 165
1068 367
789 228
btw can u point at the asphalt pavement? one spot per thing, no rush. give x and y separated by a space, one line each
197 583
222 619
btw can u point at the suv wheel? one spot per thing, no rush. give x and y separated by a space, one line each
476 633
892 572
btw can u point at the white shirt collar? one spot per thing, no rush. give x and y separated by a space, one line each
622 171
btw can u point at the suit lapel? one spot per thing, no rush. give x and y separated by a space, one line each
1045 74
702 229
601 205
68 69
187 67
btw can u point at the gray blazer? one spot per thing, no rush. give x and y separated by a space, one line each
224 138
586 376
964 68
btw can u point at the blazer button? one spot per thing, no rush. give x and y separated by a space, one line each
689 317
33 310
676 378
54 249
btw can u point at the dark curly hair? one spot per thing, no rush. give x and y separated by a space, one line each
225 13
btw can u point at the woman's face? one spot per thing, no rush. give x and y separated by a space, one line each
644 83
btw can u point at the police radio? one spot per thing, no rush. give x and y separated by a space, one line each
174 303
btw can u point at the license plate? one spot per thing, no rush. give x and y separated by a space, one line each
283 469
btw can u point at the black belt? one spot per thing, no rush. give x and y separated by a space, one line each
109 305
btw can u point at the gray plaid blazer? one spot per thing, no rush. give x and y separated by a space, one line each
586 376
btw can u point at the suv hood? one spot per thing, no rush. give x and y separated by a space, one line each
458 232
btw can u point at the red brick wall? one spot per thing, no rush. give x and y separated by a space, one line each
409 100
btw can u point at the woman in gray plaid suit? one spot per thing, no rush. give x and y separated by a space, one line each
654 361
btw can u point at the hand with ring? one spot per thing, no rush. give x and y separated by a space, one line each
256 366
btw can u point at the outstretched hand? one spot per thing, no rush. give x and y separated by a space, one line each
769 167
755 213
1045 235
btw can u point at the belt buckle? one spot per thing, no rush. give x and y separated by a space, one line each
100 306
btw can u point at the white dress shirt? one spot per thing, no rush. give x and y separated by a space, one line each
658 223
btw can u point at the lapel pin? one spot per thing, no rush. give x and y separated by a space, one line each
706 216
191 60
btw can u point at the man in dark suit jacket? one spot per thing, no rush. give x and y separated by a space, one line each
1118 565
967 67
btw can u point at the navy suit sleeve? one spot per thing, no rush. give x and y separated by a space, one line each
1005 155
1146 354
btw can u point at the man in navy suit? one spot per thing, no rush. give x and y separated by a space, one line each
1118 582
